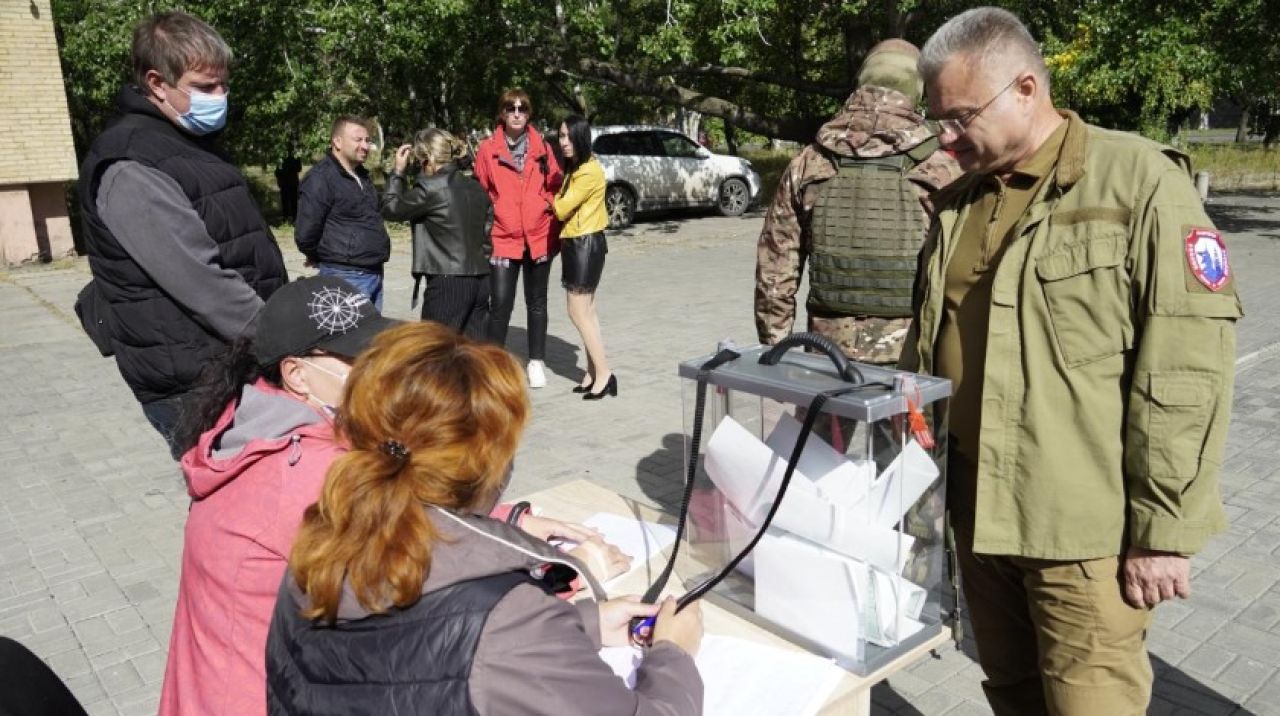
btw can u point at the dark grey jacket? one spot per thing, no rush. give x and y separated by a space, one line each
536 654
338 221
451 216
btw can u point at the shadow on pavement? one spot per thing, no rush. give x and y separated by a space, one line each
1175 692
562 356
884 700
670 221
660 474
1239 218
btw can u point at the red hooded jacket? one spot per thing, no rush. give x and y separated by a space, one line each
520 198
250 478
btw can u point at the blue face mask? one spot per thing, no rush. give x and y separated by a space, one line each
208 112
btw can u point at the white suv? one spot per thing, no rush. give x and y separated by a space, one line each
656 168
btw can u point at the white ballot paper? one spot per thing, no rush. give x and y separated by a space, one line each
749 472
901 484
829 567
830 599
743 678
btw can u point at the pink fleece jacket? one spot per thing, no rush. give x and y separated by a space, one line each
250 478
247 499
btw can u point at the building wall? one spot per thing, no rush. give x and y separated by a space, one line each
35 128
38 153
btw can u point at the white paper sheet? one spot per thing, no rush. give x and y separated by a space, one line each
839 479
743 678
913 471
830 599
749 472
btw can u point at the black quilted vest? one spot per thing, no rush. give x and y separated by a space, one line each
159 347
407 661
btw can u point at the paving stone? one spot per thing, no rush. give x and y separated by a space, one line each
1206 660
1247 675
119 678
91 528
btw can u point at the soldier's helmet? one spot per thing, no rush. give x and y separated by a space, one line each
892 64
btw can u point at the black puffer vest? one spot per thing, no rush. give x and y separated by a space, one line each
159 347
407 661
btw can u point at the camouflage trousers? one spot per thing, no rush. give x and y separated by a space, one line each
869 339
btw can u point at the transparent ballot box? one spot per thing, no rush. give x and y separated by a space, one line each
852 563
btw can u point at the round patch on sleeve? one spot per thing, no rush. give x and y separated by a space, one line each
1207 258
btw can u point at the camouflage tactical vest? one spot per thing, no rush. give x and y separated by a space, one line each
866 229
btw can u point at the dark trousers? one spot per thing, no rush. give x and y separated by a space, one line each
289 202
502 282
460 302
28 687
164 415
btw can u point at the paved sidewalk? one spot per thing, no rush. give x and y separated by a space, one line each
92 509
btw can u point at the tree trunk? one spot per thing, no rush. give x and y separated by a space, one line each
1242 129
731 138
1272 125
799 129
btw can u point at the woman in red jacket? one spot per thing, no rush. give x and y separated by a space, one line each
516 167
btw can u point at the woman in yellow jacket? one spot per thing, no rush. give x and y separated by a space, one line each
580 205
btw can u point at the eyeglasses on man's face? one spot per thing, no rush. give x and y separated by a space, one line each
516 108
958 125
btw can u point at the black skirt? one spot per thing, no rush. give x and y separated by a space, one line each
582 262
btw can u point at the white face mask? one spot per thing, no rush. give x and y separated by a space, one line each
330 410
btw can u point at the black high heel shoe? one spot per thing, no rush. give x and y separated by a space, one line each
582 388
610 388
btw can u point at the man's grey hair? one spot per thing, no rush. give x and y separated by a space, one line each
172 43
982 35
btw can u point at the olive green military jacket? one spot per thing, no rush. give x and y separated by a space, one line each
1110 358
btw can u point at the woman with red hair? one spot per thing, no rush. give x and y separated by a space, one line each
403 597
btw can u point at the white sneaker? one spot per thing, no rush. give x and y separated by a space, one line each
537 376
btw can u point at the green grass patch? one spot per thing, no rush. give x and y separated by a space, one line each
1237 166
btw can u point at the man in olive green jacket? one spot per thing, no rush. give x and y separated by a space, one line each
1083 305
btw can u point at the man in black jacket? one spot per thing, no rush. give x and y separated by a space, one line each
339 228
181 257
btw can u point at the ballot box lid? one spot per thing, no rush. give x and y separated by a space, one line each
799 376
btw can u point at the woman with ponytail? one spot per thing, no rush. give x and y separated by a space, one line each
451 216
257 446
402 597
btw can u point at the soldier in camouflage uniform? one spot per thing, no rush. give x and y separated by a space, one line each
854 206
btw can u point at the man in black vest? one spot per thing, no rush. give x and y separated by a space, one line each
181 257
339 227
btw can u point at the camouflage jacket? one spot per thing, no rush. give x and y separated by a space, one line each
874 122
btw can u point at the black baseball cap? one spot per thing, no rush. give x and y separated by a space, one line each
316 313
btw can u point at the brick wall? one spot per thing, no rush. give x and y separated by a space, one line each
35 130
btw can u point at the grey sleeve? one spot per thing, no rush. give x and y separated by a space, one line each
153 220
536 657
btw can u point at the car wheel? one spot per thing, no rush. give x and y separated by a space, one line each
620 204
734 198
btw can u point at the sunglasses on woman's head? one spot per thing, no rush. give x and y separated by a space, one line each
515 108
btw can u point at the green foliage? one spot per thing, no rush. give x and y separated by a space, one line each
775 67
